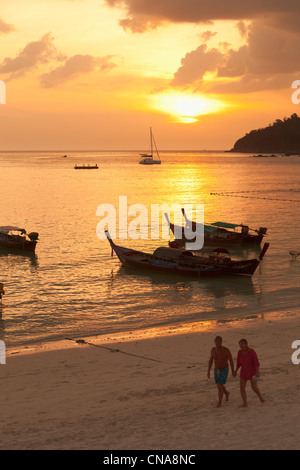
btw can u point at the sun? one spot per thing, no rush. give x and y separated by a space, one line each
186 108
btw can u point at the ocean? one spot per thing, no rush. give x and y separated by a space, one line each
73 288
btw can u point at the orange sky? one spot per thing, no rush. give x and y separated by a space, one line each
90 74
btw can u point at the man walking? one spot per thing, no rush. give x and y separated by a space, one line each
220 356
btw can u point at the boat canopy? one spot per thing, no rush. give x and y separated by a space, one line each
226 225
8 228
210 229
165 252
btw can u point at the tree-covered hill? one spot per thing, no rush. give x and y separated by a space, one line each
283 136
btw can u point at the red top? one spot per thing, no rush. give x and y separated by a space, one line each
248 363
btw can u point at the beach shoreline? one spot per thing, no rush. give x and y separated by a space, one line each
139 392
154 332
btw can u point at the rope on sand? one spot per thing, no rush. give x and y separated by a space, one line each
83 341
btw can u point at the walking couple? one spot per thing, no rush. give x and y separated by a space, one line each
246 360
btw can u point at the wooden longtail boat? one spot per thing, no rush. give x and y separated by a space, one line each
14 238
220 233
187 263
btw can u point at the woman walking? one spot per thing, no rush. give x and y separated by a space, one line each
248 362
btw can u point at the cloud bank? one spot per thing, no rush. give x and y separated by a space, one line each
268 58
142 14
44 51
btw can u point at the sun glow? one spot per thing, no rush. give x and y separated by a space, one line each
186 108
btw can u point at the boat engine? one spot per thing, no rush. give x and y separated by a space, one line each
262 230
33 236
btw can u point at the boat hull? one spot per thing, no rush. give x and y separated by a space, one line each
252 239
168 267
86 168
214 239
153 162
238 268
23 246
187 266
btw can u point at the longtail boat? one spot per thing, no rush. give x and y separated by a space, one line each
185 262
222 233
15 238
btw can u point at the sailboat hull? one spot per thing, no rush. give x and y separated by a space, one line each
149 162
147 158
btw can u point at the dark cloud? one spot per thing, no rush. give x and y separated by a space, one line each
142 14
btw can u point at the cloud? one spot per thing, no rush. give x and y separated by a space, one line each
250 83
196 63
152 13
33 54
268 55
5 27
75 66
44 51
269 30
207 35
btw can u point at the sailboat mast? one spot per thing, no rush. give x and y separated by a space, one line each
151 145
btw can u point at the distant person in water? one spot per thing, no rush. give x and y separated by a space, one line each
220 356
248 362
1 292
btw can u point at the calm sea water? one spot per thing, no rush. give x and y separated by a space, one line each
72 287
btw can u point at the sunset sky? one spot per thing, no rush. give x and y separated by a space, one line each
95 74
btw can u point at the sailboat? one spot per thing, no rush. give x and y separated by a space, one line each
147 158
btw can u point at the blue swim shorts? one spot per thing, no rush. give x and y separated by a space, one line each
221 376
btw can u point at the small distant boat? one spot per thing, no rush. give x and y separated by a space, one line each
15 238
86 167
147 158
186 262
294 254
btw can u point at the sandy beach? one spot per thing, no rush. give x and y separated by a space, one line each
141 392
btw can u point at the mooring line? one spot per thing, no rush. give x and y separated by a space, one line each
253 197
83 341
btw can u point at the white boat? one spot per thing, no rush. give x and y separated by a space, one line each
147 158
